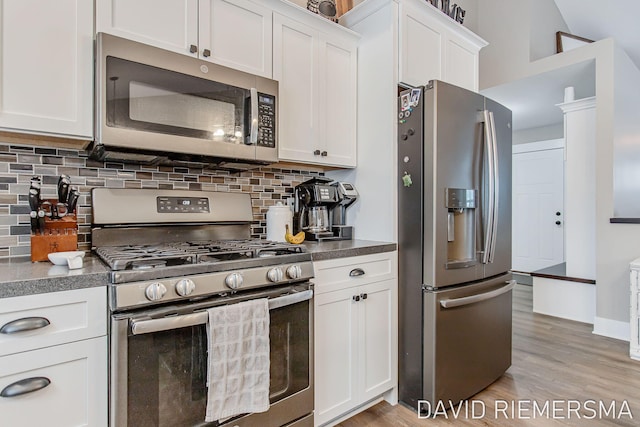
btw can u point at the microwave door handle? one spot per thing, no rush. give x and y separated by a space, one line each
139 327
253 133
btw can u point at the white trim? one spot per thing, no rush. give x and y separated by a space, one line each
611 328
578 104
549 144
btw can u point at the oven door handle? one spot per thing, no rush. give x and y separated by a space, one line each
139 327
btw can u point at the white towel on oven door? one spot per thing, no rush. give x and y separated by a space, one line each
238 368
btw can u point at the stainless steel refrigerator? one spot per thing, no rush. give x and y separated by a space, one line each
454 243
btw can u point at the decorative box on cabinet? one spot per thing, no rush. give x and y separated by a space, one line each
317 72
46 64
53 359
355 313
233 33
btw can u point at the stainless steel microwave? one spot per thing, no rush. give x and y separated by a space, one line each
155 106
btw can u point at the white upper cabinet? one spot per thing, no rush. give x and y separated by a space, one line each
317 72
234 33
46 67
248 49
432 46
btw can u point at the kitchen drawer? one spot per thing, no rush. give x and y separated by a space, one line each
70 386
335 274
71 315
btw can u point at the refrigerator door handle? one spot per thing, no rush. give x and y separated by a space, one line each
458 302
496 186
488 229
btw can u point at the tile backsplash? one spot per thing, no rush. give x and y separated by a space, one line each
18 163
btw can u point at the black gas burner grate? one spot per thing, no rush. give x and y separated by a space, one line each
181 253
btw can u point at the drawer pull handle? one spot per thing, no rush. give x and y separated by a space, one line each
356 272
23 325
27 385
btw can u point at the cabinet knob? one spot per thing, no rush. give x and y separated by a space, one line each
193 48
558 222
356 298
323 154
206 53
363 296
558 214
316 152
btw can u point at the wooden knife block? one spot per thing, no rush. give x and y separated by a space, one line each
60 235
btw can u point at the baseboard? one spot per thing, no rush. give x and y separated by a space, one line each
611 328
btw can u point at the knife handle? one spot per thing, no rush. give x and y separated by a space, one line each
74 195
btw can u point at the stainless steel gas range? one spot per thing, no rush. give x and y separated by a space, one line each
174 254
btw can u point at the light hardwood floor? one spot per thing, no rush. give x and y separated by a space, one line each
553 359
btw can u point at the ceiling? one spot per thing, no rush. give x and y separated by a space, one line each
533 100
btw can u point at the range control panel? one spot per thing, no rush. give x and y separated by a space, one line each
182 204
266 120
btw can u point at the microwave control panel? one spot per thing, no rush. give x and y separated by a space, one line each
266 120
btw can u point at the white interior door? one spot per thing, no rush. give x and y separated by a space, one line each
538 207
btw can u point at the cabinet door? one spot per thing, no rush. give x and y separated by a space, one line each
237 34
57 318
46 65
168 24
420 47
461 63
295 56
378 331
335 354
338 80
76 394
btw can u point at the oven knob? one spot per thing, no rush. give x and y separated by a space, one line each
294 272
185 287
155 291
234 280
275 274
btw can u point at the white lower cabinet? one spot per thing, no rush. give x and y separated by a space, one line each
355 334
54 369
69 384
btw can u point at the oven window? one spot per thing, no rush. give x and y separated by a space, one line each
167 370
151 99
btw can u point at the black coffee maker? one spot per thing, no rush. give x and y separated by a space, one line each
320 209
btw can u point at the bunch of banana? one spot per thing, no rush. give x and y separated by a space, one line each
297 239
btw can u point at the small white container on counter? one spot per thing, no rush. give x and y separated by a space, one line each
278 216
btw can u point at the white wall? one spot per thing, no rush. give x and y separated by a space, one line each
617 244
545 20
541 133
518 32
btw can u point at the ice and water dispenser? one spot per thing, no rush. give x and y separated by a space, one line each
461 227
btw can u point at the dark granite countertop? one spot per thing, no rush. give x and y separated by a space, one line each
559 272
332 249
20 276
